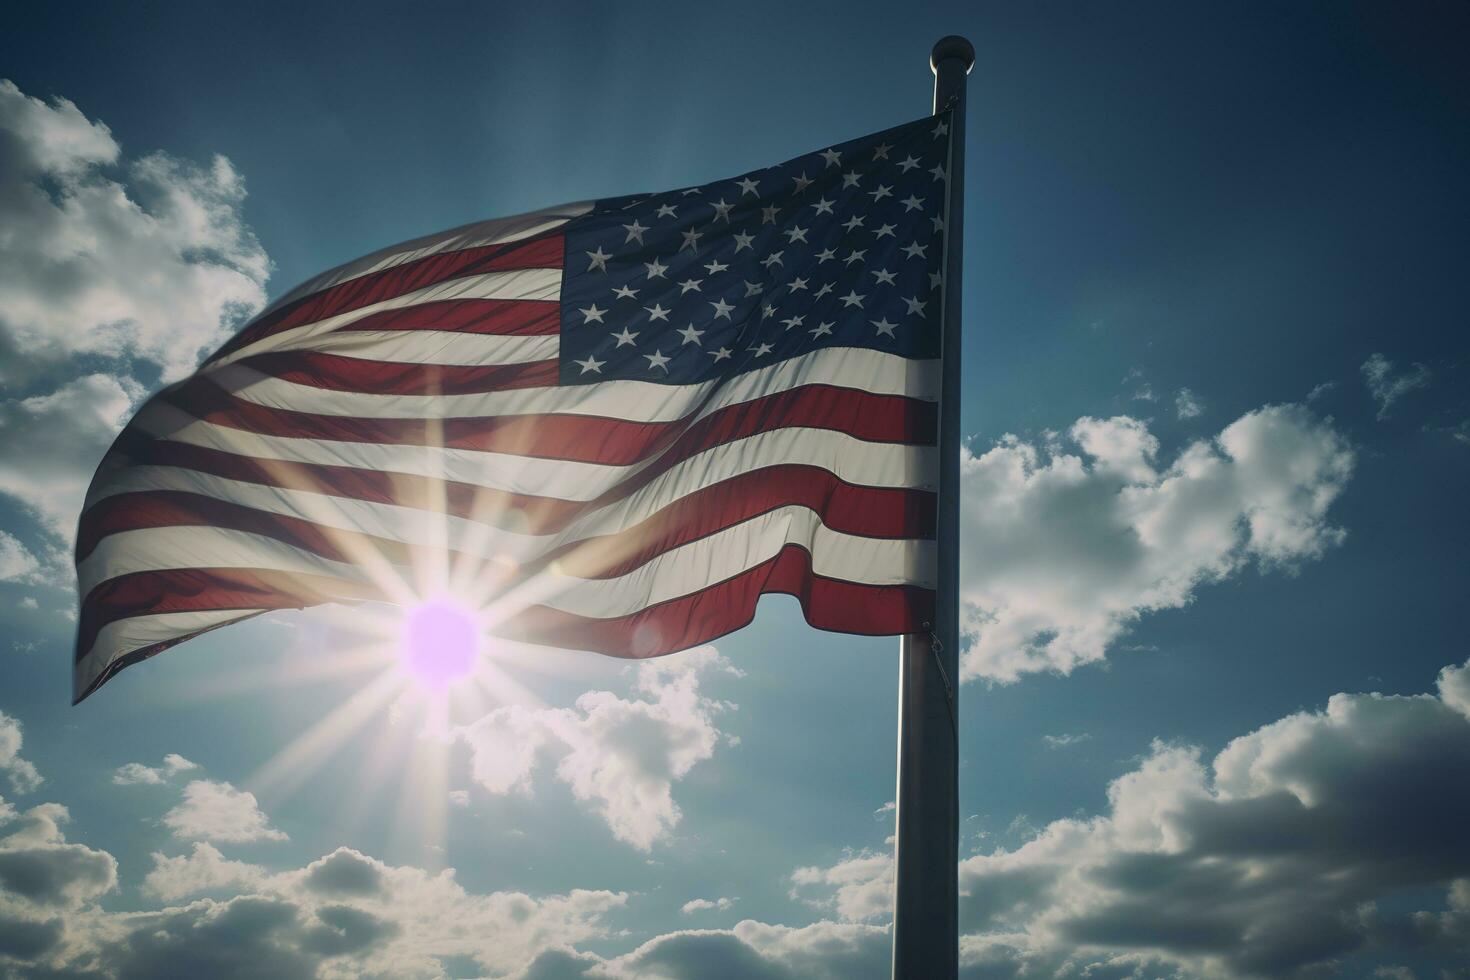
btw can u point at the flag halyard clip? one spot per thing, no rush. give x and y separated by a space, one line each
935 649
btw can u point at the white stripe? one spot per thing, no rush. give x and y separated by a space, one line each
134 633
497 231
514 284
434 347
637 401
681 571
854 460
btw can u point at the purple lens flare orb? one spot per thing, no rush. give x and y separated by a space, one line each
441 642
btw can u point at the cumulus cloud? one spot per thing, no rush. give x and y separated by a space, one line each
1187 404
1386 386
40 872
114 274
17 564
135 772
217 811
22 774
694 905
858 888
1274 859
1064 550
203 871
621 755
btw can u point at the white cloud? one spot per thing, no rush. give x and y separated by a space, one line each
1187 404
1064 740
29 602
17 564
622 755
113 275
751 950
1063 551
23 775
1274 859
861 886
694 905
135 772
217 811
158 269
1386 387
201 872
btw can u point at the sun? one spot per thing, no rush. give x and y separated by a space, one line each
440 644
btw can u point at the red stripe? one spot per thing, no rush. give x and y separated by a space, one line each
540 252
590 439
829 604
337 373
503 317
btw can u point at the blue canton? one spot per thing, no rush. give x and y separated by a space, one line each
839 248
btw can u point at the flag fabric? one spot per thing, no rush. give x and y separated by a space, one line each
631 418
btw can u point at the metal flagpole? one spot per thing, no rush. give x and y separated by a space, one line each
926 889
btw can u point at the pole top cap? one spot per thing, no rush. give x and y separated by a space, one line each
952 47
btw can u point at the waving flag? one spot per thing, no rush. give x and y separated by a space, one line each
634 417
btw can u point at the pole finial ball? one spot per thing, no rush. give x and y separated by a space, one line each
949 47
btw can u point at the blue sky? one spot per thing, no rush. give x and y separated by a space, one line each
1219 447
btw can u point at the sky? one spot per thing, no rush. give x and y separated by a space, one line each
1215 707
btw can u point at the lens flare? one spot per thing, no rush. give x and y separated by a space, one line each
441 643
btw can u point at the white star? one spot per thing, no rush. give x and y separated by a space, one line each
802 182
934 280
795 234
599 259
591 364
742 240
855 256
666 211
721 354
657 360
635 231
907 163
722 309
941 130
762 349
767 312
768 215
915 305
884 327
592 313
773 259
855 221
826 288
851 299
938 172
914 251
832 157
754 288
789 322
690 335
937 222
712 266
689 284
880 152
655 268
690 190
624 292
691 240
722 210
825 255
798 284
850 179
747 186
625 338
885 230
823 328
657 312
823 206
911 203
884 277
883 191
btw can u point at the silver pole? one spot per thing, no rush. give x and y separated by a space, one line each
926 889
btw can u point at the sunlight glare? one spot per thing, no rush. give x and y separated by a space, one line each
441 643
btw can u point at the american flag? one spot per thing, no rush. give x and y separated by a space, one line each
633 417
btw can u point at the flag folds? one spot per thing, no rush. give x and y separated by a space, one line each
620 423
